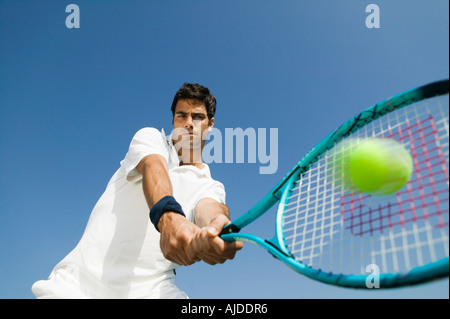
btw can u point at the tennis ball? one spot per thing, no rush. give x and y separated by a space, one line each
379 166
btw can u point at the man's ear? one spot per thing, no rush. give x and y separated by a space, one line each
211 124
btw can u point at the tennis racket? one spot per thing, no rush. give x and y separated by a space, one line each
331 234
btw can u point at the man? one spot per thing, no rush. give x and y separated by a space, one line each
121 254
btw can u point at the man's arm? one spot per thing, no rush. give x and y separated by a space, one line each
212 216
207 210
155 178
181 241
176 231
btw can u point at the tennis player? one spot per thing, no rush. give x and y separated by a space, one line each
125 254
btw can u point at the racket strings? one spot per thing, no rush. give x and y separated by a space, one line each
328 226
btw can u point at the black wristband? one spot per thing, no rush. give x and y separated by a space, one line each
165 204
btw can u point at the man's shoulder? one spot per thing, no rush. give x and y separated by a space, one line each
150 133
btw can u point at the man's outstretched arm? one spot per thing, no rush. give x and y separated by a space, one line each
176 231
212 216
182 241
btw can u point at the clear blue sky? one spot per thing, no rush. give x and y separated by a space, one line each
71 100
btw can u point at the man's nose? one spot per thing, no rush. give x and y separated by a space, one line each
189 122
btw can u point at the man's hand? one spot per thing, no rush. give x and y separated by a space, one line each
212 249
181 241
184 243
177 234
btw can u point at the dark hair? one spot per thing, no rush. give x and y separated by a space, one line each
197 92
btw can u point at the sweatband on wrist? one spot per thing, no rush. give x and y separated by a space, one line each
165 204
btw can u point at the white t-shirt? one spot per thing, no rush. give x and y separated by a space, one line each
119 255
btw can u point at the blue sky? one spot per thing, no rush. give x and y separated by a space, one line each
71 100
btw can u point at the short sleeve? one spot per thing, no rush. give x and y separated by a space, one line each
145 142
216 191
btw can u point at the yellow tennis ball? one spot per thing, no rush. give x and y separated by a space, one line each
379 166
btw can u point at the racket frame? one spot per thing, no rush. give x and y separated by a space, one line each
280 193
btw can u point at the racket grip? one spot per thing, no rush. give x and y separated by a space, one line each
228 229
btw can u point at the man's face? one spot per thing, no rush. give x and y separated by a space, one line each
190 123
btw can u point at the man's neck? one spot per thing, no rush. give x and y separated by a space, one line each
191 158
198 165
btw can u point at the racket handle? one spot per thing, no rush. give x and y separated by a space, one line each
228 229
